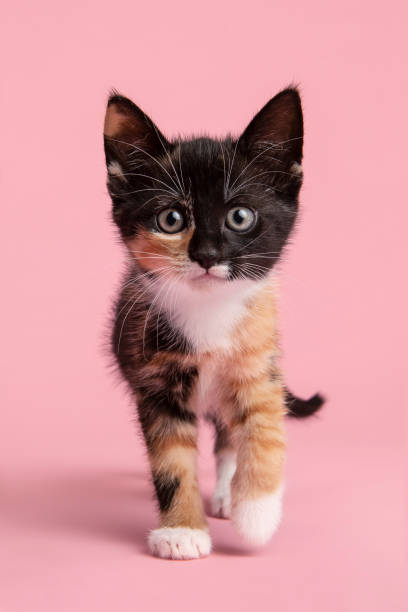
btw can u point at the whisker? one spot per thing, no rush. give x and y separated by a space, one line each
251 162
136 148
181 168
136 298
171 285
282 142
167 281
253 240
168 189
224 175
152 254
250 180
251 272
254 255
231 165
169 158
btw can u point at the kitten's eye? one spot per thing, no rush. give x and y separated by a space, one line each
240 219
170 221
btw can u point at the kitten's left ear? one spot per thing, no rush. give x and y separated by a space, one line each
279 124
129 134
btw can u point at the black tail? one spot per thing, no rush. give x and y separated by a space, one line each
300 408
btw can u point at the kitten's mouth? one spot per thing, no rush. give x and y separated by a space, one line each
207 277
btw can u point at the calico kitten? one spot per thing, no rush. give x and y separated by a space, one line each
204 221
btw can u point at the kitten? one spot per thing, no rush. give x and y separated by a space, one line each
204 221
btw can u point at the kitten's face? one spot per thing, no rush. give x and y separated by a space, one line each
205 211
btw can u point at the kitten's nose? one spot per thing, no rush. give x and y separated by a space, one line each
206 255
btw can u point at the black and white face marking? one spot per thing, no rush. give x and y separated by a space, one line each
230 204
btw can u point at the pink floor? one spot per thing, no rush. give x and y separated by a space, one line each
75 522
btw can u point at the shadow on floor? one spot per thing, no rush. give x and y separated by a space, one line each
104 505
115 507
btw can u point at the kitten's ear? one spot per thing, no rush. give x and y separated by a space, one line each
129 134
278 124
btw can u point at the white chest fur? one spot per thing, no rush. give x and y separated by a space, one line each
207 316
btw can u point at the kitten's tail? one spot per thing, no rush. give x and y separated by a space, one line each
300 408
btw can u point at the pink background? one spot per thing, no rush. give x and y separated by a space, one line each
76 500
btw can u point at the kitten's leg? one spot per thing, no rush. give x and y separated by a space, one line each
257 483
171 437
225 458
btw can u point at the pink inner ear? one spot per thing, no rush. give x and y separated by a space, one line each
126 124
115 121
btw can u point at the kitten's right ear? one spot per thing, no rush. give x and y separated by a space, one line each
129 134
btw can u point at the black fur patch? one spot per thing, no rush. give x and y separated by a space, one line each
165 486
259 170
300 408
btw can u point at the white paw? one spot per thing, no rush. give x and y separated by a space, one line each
221 500
258 519
179 543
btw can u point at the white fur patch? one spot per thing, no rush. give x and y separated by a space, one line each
115 169
296 169
179 543
207 314
196 272
221 500
220 270
258 519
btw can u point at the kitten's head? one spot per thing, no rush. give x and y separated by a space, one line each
205 210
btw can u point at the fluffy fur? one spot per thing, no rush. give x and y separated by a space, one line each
204 222
258 519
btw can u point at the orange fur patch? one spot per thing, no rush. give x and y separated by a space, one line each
155 250
179 460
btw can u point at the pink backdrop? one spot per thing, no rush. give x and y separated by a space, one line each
76 502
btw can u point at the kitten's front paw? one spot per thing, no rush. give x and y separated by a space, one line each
179 543
258 519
